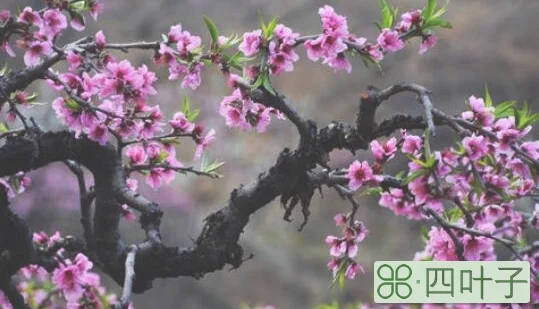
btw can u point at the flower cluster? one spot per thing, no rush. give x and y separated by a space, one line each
330 46
241 112
181 52
344 249
281 50
107 98
43 27
71 284
16 184
470 189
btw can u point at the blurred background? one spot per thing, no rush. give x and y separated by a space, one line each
493 41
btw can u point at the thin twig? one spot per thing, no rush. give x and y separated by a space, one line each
129 278
144 167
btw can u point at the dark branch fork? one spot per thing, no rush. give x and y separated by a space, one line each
293 177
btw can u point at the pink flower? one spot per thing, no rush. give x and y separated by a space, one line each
176 70
332 46
281 61
149 128
475 146
361 231
4 301
192 79
340 219
440 245
375 53
475 247
334 265
180 123
531 149
74 60
132 184
358 174
231 108
389 40
33 271
484 115
314 48
427 43
100 39
155 177
420 190
70 278
251 43
128 215
28 16
334 244
349 247
412 144
333 23
35 50
136 154
411 18
99 133
352 269
54 22
7 48
77 22
175 33
204 143
262 118
339 63
187 43
384 151
5 15
96 8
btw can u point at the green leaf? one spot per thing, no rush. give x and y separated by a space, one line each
371 191
429 10
232 40
77 6
4 69
440 12
435 22
342 280
424 233
267 84
504 109
192 115
163 155
386 14
446 25
271 27
32 98
3 127
530 120
212 28
258 82
488 98
186 108
212 167
72 104
170 140
413 176
454 214
262 23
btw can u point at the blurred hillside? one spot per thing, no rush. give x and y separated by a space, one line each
493 41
